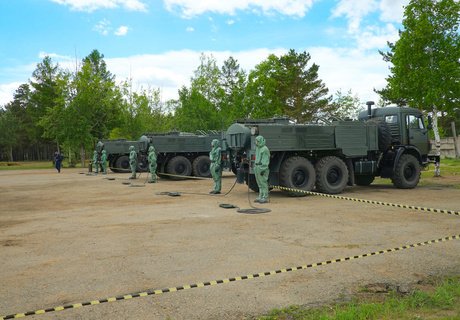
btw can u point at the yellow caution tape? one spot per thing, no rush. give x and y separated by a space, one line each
403 206
234 279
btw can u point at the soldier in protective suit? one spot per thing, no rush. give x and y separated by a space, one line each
216 167
95 162
152 164
132 162
104 162
261 169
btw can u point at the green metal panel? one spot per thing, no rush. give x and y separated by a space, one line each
298 137
355 138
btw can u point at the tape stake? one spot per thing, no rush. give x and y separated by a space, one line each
233 279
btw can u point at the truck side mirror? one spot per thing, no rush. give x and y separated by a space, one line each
430 123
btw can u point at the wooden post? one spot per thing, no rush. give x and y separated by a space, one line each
454 134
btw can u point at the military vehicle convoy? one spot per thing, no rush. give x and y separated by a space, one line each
178 153
390 142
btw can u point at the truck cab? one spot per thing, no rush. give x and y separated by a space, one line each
406 128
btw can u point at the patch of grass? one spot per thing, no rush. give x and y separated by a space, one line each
449 167
441 301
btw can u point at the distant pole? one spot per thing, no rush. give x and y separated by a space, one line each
454 134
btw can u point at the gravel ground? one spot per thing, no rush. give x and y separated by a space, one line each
71 238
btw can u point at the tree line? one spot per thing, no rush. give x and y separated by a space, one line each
61 109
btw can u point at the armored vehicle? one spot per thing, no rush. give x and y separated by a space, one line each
390 142
178 153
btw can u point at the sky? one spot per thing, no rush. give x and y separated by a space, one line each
158 43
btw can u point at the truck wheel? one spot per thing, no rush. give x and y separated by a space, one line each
364 180
201 167
407 172
234 169
297 173
112 166
251 182
331 175
122 164
384 134
142 165
179 165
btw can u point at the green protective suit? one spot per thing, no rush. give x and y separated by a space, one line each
95 163
104 162
132 161
152 164
216 166
261 169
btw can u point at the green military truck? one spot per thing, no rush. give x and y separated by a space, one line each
390 142
178 153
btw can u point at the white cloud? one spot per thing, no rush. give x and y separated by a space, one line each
54 56
355 69
102 27
372 37
340 68
374 33
171 70
230 22
7 91
121 31
92 5
190 8
354 11
392 10
190 29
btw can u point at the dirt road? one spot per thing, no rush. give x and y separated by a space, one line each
71 238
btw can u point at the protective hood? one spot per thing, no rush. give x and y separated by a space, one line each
215 143
151 149
103 151
260 141
131 148
95 152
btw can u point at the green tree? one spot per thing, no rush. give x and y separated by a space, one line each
95 103
142 112
20 117
425 61
198 107
302 93
9 128
57 123
43 95
345 106
233 84
261 99
195 112
287 86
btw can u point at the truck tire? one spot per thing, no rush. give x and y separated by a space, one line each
407 172
331 175
251 182
384 134
297 173
142 165
364 180
112 166
180 166
122 164
201 167
234 168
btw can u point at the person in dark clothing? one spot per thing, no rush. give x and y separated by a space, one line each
58 161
